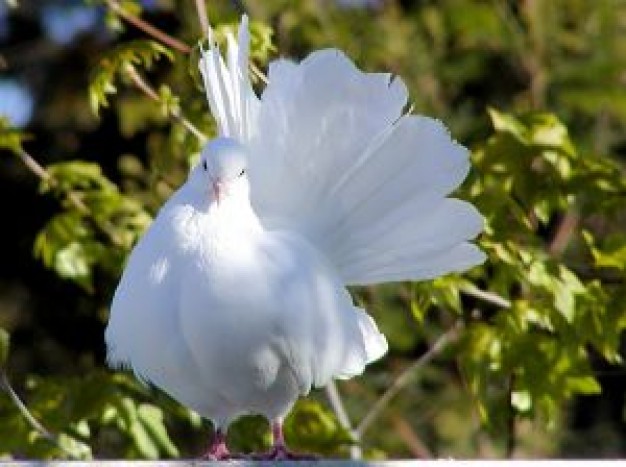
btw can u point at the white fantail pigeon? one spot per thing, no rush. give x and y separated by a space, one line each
234 301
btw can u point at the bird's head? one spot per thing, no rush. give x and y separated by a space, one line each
221 171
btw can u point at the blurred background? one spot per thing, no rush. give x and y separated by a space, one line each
104 96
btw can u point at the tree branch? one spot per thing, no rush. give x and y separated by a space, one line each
485 296
403 379
149 29
406 432
564 232
337 404
149 91
32 421
202 17
36 168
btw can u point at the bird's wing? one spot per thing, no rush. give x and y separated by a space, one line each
143 332
228 90
335 158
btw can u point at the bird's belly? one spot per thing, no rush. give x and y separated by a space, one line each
228 322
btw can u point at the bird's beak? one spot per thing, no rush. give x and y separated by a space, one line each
218 186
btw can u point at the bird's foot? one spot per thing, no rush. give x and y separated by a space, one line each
281 453
221 455
218 451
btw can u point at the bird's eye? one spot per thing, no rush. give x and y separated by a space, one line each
204 165
243 171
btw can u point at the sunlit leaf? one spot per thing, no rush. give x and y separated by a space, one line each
138 53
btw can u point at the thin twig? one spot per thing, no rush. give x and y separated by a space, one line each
32 421
567 227
35 167
258 73
486 296
202 17
148 28
165 38
337 404
149 91
406 432
403 379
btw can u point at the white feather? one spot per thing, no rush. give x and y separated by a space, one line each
231 319
363 182
229 92
234 307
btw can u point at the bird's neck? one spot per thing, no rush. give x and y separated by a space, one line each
232 216
204 225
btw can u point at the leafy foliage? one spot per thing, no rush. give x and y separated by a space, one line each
534 88
97 228
11 139
539 348
82 409
117 62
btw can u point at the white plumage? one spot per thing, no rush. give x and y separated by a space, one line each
234 301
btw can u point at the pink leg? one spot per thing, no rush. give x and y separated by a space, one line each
279 449
217 450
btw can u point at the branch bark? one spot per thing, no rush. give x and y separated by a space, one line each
32 421
337 404
202 17
148 28
36 168
403 379
149 91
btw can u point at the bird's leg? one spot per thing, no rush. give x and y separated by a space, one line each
217 450
279 450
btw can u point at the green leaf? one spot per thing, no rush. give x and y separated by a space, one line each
261 44
583 385
170 104
72 262
138 53
312 427
77 175
613 253
152 419
77 449
11 138
66 244
507 123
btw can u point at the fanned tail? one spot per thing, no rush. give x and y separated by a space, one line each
334 157
228 90
337 160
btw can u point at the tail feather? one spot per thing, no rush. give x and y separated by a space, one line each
398 187
448 224
334 158
414 267
364 183
228 90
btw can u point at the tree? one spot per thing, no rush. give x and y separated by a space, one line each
475 358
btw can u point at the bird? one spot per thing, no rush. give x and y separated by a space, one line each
235 299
